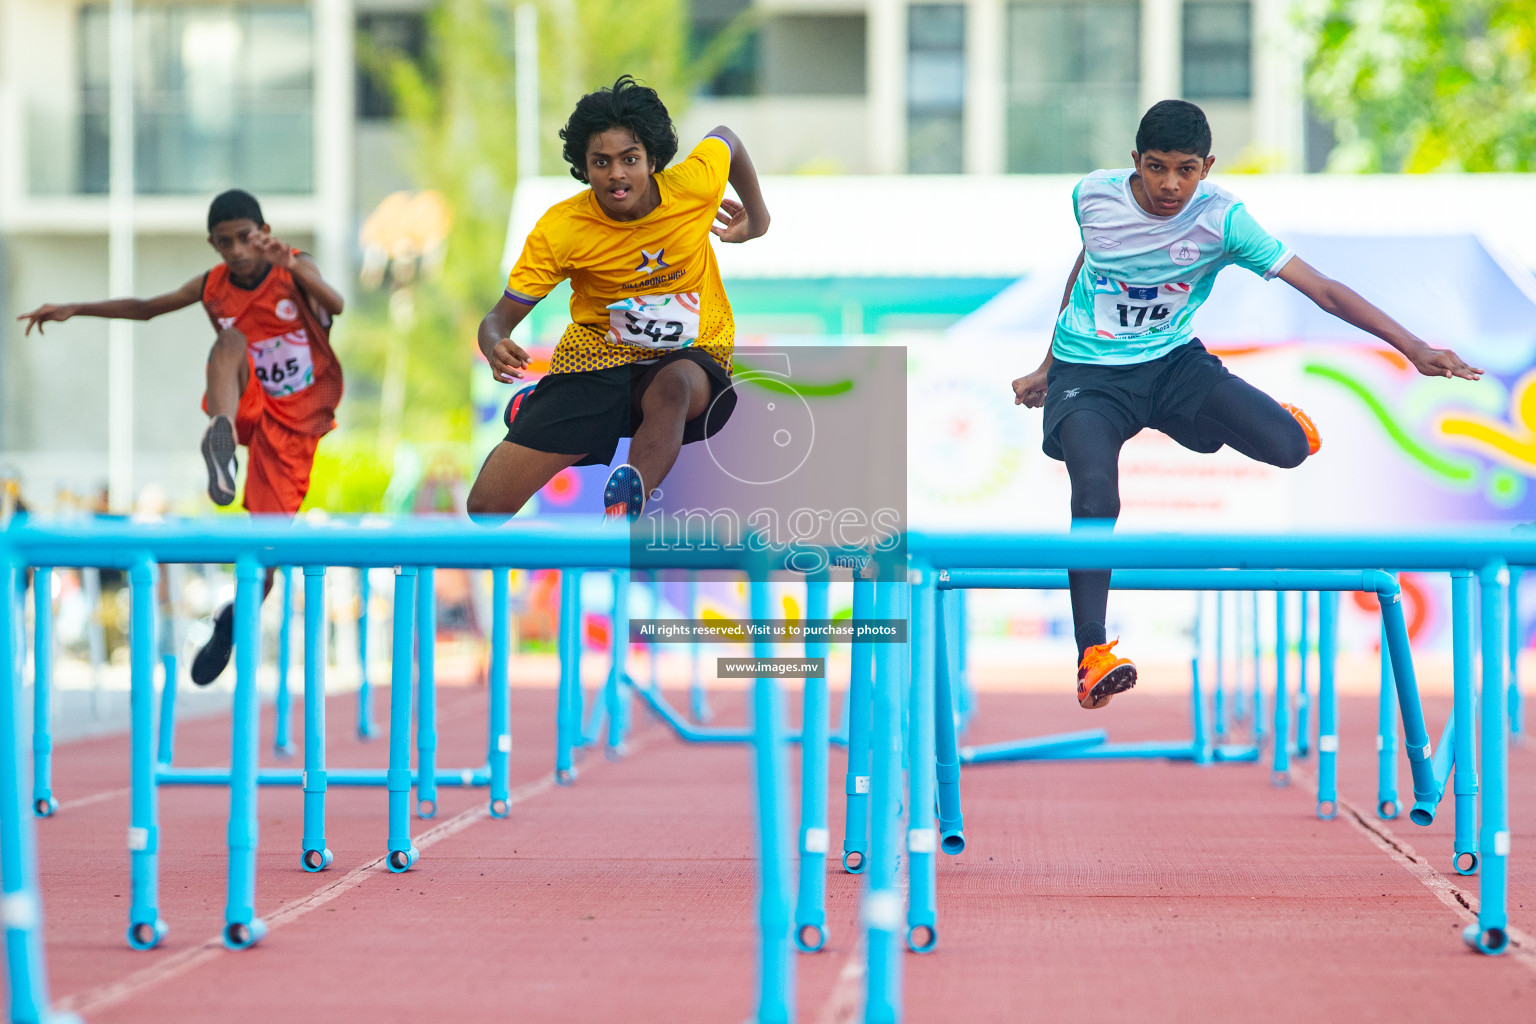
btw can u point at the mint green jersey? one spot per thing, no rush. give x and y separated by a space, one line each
1144 276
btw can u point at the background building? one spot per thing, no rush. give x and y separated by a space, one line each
1011 98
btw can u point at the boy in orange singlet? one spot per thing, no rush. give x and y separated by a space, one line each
273 382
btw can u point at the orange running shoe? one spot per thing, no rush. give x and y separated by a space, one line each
1307 427
1101 675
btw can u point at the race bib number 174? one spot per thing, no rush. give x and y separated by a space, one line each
655 321
1123 310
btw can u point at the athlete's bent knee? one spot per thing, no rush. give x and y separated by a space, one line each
484 508
1291 449
670 389
229 344
1097 496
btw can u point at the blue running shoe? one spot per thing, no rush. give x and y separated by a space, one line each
624 494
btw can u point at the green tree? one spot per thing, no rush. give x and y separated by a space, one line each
1425 85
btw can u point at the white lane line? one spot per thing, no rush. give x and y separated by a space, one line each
1522 947
180 963
94 798
847 996
845 1003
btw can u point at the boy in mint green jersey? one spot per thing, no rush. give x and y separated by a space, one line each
1124 356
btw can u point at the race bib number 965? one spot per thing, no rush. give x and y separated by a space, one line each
655 321
283 364
1123 310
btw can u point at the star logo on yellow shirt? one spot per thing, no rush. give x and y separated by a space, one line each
650 262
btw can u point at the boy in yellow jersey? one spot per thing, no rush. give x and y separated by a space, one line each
648 351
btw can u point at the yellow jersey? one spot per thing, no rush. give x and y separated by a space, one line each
623 272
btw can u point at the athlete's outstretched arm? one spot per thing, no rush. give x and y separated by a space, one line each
304 270
116 309
1347 304
506 356
748 219
1029 390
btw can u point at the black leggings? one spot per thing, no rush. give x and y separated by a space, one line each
1235 413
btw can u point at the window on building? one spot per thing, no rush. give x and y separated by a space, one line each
813 55
397 32
223 97
935 88
1074 80
738 71
1218 50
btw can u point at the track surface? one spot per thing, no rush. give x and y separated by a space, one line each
1136 891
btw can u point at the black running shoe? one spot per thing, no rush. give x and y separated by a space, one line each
210 661
219 454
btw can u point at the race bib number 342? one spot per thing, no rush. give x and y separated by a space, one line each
655 321
283 364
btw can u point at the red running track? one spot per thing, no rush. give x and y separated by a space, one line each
1136 891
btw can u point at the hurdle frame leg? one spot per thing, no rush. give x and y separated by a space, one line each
20 900
1388 806
922 837
1464 851
776 974
568 701
170 648
1303 690
366 729
810 932
1410 710
1219 681
426 692
44 804
1490 934
315 855
698 697
1516 710
1281 773
945 726
856 782
282 732
242 928
882 903
1256 645
1200 749
401 855
499 746
614 693
1327 705
145 926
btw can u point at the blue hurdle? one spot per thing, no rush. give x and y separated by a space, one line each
21 911
256 546
989 554
366 729
1516 640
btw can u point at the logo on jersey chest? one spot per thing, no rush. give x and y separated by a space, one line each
286 309
1184 252
650 262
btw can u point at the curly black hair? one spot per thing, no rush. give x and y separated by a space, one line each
628 105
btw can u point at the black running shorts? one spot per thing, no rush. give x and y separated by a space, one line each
590 410
1164 393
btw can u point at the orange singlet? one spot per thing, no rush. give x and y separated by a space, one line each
295 383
